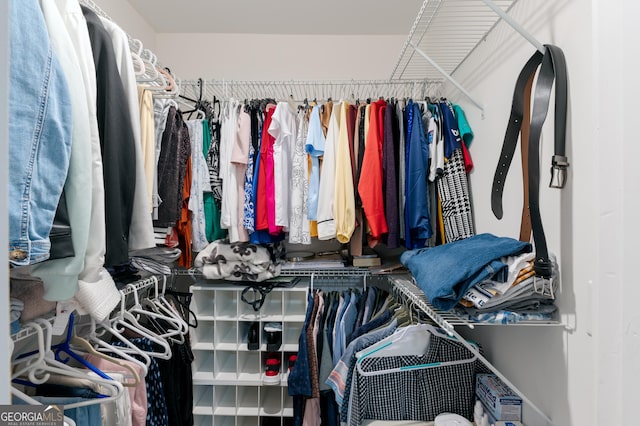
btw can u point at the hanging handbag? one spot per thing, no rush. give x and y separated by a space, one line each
552 67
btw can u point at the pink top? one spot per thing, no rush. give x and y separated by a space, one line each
137 394
270 187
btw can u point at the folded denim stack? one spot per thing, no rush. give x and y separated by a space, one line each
484 278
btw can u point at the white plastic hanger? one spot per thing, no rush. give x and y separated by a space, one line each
139 67
408 336
126 320
149 60
161 314
163 305
125 352
40 367
417 336
85 346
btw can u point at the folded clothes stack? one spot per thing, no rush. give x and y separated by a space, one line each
236 262
484 278
519 296
156 260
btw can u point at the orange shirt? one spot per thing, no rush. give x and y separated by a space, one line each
183 226
370 185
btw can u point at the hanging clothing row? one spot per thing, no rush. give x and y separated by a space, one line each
330 170
357 341
81 191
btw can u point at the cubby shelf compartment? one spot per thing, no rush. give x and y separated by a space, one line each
228 387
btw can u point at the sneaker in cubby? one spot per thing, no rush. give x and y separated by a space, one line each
271 375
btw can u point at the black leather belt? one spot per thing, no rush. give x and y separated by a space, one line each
552 67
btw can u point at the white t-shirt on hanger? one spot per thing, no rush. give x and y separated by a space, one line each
299 232
283 128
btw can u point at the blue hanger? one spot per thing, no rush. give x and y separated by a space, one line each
66 349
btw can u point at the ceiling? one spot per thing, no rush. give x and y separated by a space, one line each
341 17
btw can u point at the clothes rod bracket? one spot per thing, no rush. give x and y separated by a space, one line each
448 77
515 25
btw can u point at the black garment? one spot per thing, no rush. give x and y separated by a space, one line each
176 373
329 410
213 162
172 166
124 274
360 309
60 235
116 142
255 114
390 182
178 384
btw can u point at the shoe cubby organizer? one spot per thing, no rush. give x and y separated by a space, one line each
228 376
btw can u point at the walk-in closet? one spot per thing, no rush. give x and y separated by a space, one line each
337 213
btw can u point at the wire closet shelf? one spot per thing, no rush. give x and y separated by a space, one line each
447 31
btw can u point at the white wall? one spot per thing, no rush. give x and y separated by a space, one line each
616 318
130 20
584 376
279 57
550 365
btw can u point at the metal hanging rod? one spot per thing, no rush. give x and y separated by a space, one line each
140 285
346 272
27 330
300 90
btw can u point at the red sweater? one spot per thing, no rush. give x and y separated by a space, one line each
370 185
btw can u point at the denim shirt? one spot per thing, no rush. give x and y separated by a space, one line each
445 273
39 134
299 381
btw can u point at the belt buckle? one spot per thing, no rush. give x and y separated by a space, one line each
559 164
544 286
546 278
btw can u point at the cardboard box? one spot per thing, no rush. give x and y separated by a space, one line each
498 400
